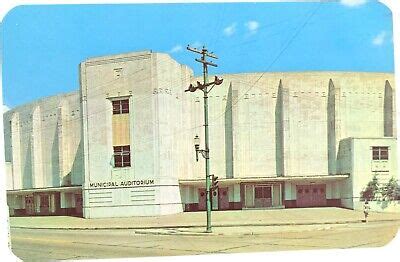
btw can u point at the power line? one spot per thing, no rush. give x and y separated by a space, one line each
279 54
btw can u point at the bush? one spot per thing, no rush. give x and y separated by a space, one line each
370 192
389 192
392 190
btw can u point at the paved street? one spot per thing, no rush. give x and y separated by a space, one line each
41 244
39 238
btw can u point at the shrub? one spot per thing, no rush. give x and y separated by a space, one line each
392 190
369 193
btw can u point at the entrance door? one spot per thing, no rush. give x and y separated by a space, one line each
249 196
78 204
44 204
223 200
263 196
29 207
311 195
202 199
319 195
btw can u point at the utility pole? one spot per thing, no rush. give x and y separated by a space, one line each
206 152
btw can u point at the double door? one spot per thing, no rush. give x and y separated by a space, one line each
219 199
311 195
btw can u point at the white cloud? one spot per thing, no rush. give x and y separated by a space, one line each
176 49
230 30
252 26
5 108
379 39
353 3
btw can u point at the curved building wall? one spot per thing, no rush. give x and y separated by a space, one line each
290 124
43 143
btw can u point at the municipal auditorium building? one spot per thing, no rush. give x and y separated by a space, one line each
122 145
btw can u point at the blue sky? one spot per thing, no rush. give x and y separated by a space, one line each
43 45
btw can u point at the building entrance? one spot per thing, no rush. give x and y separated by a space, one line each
262 196
223 200
44 204
311 195
29 207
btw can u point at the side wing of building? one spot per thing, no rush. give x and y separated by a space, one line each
43 153
283 130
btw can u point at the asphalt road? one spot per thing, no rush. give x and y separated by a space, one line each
40 245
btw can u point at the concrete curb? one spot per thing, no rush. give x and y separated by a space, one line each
179 233
203 225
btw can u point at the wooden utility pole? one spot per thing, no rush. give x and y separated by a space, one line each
204 87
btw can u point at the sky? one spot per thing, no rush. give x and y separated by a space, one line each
43 45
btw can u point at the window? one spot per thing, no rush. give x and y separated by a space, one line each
380 153
120 106
122 156
263 192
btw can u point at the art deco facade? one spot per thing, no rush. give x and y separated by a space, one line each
123 144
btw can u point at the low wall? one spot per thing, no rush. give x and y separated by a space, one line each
380 206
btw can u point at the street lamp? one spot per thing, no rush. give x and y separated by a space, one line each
203 152
196 141
197 146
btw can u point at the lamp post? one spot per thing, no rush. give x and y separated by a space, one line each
206 151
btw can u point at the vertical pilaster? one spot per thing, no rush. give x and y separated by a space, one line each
229 135
388 110
282 129
85 139
65 163
333 125
37 158
16 151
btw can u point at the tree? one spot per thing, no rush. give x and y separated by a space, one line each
392 190
371 190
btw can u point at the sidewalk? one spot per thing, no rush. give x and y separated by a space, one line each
281 217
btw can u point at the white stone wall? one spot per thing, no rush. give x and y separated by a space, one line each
154 84
355 158
290 123
32 142
364 168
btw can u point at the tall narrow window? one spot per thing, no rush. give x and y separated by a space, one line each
380 153
120 106
122 156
